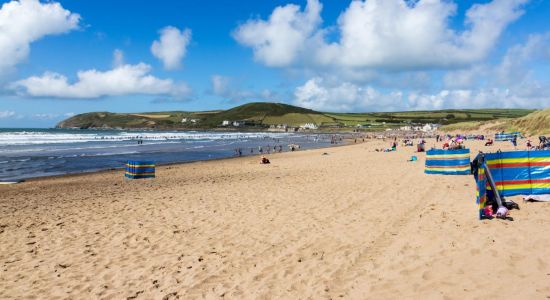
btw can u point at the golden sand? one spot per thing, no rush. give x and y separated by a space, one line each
354 224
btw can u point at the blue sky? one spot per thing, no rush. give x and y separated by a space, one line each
373 55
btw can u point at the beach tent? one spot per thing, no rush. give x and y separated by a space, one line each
448 162
501 137
513 173
140 169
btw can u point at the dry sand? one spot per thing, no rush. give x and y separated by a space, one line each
354 224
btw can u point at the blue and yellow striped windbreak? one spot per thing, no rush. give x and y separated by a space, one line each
448 162
500 137
140 169
520 172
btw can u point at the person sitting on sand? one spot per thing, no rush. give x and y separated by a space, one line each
489 142
264 160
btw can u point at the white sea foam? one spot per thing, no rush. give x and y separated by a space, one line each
50 137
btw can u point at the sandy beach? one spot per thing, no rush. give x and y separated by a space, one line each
351 224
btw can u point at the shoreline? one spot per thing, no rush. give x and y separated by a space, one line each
115 170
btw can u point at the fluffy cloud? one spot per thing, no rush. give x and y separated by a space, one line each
321 95
171 47
25 21
122 80
392 34
282 38
516 66
222 86
6 114
532 97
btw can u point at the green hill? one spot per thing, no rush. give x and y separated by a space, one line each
537 122
261 115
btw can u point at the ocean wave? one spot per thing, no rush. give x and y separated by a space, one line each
49 137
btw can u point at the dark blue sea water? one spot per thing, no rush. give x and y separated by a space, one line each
28 153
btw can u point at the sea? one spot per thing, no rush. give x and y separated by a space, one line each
29 153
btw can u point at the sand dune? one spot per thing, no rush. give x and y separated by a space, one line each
352 224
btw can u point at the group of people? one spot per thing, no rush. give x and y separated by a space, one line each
544 144
453 144
261 150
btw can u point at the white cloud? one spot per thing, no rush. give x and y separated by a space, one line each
171 47
25 21
513 68
118 58
223 86
49 116
122 80
380 34
512 82
6 114
318 94
528 97
220 85
281 39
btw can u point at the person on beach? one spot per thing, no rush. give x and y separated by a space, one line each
264 160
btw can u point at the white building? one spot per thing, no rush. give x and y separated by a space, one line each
430 127
309 126
185 120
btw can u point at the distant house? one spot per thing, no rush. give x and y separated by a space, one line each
410 128
185 120
237 123
430 127
226 123
406 128
309 126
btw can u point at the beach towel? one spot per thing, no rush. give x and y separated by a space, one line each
539 198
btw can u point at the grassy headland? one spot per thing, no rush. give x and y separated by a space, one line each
263 115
